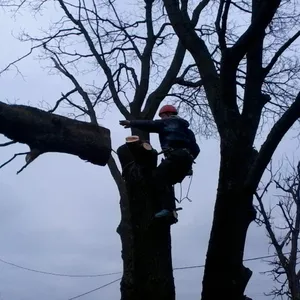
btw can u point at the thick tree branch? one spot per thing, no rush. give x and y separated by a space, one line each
186 83
53 133
184 29
280 51
258 25
162 90
273 139
221 26
197 11
254 101
158 95
142 90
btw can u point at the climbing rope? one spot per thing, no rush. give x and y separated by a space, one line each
187 193
181 198
114 151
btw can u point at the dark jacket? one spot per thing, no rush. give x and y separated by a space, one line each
173 132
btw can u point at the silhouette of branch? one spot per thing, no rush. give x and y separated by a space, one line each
11 159
48 132
64 97
8 143
285 264
280 51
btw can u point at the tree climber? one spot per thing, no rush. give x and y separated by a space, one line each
179 146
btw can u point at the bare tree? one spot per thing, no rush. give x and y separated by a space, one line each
253 79
249 75
135 62
282 223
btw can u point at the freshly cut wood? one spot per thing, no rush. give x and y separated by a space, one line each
132 139
142 152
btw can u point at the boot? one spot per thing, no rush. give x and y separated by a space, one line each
164 213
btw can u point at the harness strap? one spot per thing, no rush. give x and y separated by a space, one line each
169 150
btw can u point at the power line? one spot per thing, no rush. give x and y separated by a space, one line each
96 289
263 257
115 273
247 259
57 274
178 268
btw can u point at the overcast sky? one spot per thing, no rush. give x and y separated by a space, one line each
60 215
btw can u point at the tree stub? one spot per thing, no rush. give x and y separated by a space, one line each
151 243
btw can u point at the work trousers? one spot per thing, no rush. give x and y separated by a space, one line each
172 170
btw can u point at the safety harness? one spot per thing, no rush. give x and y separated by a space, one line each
167 152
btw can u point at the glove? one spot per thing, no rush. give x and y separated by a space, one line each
125 123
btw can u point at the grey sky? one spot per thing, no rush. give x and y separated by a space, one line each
60 214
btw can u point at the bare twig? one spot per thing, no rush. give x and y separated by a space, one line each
285 264
11 159
29 158
8 143
64 97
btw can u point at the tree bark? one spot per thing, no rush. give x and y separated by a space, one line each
150 247
294 285
225 276
53 133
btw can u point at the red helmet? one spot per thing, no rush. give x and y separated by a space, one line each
168 109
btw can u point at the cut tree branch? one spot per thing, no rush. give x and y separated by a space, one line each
53 133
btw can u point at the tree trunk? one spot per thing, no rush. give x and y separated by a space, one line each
294 285
225 276
146 243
